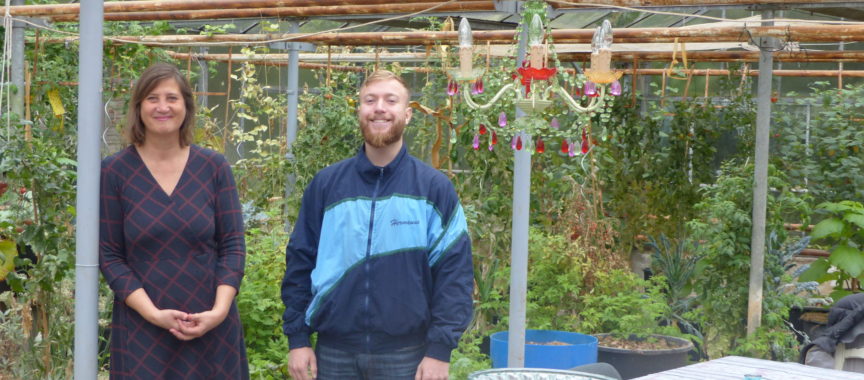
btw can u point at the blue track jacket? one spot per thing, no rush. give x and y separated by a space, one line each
379 260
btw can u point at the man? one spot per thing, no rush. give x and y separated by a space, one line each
379 263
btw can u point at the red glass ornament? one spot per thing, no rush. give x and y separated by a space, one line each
482 129
564 147
494 138
585 143
539 146
519 143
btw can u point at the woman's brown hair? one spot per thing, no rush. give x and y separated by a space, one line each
150 78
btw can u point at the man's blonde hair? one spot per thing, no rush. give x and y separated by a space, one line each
381 75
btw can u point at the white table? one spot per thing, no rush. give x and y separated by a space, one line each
735 367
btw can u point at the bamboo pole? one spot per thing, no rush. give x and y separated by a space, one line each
185 5
726 56
313 11
798 33
700 56
189 5
569 4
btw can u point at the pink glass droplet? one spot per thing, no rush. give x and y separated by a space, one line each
477 87
554 123
476 143
572 150
615 88
452 88
513 143
491 147
590 89
502 120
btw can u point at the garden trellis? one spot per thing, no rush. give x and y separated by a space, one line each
91 63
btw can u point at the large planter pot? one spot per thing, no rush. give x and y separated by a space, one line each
547 349
632 363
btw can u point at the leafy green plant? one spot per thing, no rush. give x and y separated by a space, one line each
723 227
555 274
844 229
677 262
625 305
259 300
823 151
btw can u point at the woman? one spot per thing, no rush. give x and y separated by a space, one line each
171 243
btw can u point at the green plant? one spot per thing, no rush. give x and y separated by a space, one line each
259 300
844 229
555 281
825 153
677 262
624 305
723 227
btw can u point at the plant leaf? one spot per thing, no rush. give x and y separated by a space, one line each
817 270
827 227
8 251
848 259
856 219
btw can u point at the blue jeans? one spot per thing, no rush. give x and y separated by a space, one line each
334 364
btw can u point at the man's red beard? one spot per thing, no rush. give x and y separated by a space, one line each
381 140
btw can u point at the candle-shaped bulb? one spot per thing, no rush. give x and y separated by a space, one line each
596 40
466 40
535 31
606 31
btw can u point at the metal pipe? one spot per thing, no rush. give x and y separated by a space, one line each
519 240
17 101
87 192
293 95
203 79
760 181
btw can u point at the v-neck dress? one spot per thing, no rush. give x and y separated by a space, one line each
179 248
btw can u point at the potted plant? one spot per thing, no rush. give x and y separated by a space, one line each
632 321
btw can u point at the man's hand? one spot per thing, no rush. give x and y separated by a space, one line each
302 363
432 369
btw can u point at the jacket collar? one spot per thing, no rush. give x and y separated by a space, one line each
369 172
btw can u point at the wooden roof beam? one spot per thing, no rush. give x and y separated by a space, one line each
190 5
310 11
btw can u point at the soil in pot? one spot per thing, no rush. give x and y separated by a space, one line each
635 357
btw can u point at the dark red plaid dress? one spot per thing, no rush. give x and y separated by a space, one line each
179 248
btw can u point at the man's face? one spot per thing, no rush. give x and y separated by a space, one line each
383 112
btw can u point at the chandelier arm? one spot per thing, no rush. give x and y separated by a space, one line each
592 105
470 101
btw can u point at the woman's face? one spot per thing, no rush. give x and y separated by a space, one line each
163 109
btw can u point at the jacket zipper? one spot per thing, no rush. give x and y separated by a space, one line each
366 265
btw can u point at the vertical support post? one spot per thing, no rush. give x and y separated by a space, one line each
519 240
203 79
760 179
17 101
87 192
293 94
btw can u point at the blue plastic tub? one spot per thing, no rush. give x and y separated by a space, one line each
578 349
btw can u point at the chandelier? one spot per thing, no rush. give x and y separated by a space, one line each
535 87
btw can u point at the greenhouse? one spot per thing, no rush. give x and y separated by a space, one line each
615 189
